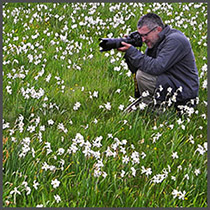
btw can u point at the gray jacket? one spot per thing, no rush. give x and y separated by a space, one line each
172 60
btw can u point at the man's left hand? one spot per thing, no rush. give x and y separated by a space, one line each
125 47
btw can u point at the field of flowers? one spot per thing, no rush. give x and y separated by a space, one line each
66 141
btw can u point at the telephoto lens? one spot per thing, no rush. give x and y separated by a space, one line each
108 44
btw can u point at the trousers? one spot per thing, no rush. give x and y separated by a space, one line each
146 85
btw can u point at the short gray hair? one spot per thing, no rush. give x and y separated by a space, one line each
150 20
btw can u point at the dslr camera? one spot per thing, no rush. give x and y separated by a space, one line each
108 44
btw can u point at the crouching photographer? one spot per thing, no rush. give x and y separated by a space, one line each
167 68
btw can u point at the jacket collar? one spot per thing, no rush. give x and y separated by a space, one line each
165 30
153 51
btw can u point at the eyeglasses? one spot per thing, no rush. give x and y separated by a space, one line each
144 35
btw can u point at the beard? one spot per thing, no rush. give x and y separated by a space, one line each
151 43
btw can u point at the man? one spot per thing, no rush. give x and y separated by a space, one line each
167 69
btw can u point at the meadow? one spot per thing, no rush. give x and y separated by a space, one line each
66 140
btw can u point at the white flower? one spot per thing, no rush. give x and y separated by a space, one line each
201 149
57 198
63 38
180 89
172 99
197 171
147 171
142 105
15 191
124 141
128 73
5 125
174 155
204 67
158 178
133 171
169 89
118 91
133 108
45 166
97 172
39 206
28 190
160 87
48 78
131 99
61 151
155 127
175 193
61 127
87 151
73 148
122 149
179 121
110 135
76 106
25 184
205 145
121 107
179 168
143 155
55 183
108 106
42 128
116 68
186 176
171 126
50 122
74 26
179 194
182 195
95 94
31 128
97 142
35 184
204 116
122 173
109 152
95 121
205 83
79 138
191 139
156 137
9 90
104 174
135 157
145 93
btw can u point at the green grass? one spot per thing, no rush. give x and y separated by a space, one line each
77 69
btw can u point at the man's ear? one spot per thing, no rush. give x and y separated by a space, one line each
159 29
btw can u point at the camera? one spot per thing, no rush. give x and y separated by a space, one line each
107 44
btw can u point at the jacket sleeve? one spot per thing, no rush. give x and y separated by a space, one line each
173 49
131 67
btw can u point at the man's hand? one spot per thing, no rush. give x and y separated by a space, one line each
125 47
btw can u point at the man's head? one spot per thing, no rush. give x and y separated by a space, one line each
149 26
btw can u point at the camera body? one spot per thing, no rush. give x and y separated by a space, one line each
108 44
